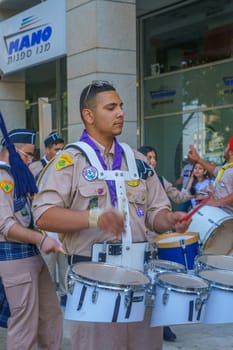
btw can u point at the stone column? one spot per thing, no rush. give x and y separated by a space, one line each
101 44
12 94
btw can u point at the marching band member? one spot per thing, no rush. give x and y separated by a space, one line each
29 292
77 201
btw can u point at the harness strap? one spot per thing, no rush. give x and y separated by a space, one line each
119 176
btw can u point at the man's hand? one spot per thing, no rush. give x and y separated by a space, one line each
50 245
181 226
112 221
193 155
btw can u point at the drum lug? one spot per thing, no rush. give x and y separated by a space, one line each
94 296
128 298
165 297
155 251
150 293
198 304
70 283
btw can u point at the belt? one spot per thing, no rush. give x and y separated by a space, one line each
73 259
14 250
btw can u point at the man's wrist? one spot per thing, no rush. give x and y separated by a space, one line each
94 215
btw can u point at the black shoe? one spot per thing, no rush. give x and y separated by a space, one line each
168 335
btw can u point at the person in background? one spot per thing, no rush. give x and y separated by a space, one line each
182 181
53 143
222 194
28 290
172 192
75 200
56 262
200 184
175 195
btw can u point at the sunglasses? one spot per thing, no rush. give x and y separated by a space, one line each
96 83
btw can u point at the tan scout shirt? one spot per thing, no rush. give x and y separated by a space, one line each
69 188
224 187
174 194
36 167
7 216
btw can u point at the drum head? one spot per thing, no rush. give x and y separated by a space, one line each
181 282
171 240
223 262
220 241
108 274
166 265
221 279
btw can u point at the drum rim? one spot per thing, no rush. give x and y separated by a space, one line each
180 267
193 239
107 285
185 290
211 266
215 284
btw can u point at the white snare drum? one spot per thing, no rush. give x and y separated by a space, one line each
157 266
215 228
180 299
219 306
99 292
213 261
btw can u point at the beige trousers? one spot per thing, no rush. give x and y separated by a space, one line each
36 317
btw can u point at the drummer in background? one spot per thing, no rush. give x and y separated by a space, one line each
222 192
53 143
172 192
56 262
74 200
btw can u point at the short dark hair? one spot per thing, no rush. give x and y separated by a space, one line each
146 149
53 139
91 91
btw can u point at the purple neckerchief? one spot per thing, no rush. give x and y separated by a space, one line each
116 162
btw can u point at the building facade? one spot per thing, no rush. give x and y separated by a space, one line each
170 60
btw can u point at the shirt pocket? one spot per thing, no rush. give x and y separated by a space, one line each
137 197
93 195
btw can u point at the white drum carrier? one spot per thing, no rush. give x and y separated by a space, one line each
125 253
100 292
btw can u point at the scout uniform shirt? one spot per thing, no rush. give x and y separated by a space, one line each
73 183
224 186
8 215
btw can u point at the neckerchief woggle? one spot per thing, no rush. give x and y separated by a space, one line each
115 166
221 171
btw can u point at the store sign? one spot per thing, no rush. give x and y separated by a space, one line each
33 36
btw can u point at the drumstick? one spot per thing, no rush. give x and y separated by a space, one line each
194 210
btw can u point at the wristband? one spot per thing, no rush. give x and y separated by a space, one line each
94 215
42 240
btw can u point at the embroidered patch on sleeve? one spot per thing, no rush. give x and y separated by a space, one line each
63 161
6 186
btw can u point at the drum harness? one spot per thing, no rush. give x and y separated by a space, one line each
126 250
126 253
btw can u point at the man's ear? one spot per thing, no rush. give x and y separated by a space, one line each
88 116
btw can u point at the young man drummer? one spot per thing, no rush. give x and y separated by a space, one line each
76 201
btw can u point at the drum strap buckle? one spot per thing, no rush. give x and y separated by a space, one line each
115 249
